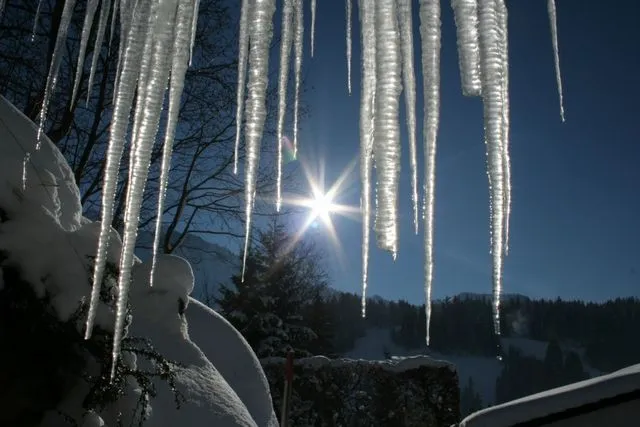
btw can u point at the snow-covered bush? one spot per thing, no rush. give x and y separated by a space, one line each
416 391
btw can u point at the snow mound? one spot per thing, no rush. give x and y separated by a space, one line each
50 184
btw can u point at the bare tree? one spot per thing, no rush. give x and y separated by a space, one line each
204 195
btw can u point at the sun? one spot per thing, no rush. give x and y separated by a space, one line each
321 206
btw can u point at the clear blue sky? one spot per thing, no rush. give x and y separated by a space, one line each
576 199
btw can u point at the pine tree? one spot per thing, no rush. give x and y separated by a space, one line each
282 277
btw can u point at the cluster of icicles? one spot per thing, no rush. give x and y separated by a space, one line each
156 41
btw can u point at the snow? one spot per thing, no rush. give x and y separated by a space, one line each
430 31
562 398
224 385
51 186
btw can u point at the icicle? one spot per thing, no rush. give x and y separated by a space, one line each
118 129
102 28
56 58
114 14
491 62
506 160
409 77
285 53
163 34
367 105
84 41
126 12
242 75
186 25
386 147
430 34
194 28
298 39
348 6
553 20
261 33
35 20
466 17
313 26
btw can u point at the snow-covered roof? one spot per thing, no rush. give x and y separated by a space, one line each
562 402
397 364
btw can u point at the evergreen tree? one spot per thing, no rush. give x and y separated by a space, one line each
282 283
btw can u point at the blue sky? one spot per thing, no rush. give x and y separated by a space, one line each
574 230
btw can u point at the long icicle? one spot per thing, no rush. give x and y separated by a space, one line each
185 26
35 20
298 40
194 29
118 130
506 158
553 21
492 93
386 147
56 59
102 28
243 56
163 35
465 13
405 18
431 41
92 5
367 104
349 43
313 26
261 33
285 54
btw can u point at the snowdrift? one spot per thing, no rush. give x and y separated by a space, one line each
47 369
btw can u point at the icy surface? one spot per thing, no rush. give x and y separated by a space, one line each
298 34
367 105
348 11
260 34
430 33
386 144
243 58
405 19
491 67
84 41
466 17
553 22
283 77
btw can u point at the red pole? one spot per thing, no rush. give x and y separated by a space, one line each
288 388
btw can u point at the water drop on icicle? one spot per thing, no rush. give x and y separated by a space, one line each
431 42
386 145
186 23
553 21
409 78
35 20
243 57
367 105
491 62
506 158
92 5
285 53
260 35
162 33
349 13
102 28
466 18
298 39
124 92
313 26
